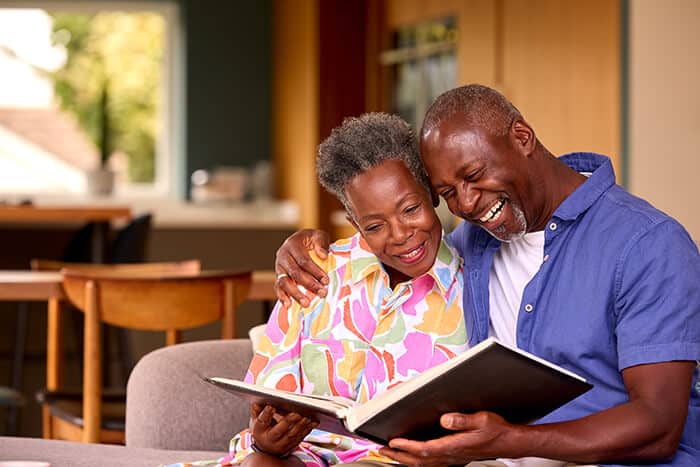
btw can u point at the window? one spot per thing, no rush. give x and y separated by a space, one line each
86 81
422 65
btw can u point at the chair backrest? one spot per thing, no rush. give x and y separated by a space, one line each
79 248
156 300
130 243
145 300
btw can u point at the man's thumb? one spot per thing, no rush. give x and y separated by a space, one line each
456 421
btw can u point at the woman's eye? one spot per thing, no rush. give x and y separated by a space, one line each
412 209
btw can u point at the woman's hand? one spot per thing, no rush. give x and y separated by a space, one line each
294 266
277 434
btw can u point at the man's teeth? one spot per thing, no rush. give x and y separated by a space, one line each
494 213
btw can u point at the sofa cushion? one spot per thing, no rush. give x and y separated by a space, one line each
70 454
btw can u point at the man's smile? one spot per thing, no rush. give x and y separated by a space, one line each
494 212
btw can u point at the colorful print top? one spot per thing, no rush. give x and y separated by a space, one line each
360 340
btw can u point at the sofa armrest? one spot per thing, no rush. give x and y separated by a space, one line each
169 406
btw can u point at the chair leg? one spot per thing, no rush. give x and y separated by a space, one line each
124 349
18 363
106 354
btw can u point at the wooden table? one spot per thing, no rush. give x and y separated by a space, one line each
30 285
262 286
27 286
101 215
47 286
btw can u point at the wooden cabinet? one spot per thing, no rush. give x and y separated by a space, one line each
558 61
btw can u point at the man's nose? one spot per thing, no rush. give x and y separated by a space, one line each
467 198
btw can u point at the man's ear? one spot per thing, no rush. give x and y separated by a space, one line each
523 136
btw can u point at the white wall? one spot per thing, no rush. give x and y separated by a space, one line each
664 156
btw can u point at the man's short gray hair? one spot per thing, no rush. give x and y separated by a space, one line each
477 105
363 142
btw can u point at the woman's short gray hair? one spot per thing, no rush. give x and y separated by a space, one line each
363 142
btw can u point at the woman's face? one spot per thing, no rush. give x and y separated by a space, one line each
394 214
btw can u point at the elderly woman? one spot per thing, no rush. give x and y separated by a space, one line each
393 307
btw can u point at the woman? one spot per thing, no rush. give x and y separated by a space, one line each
393 307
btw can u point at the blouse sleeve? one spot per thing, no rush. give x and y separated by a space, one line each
276 362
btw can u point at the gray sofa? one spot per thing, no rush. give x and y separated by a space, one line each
172 415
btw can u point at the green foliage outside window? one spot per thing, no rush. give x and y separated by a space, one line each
111 82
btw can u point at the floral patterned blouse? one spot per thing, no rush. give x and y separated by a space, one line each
360 340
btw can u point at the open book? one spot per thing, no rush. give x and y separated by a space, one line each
490 376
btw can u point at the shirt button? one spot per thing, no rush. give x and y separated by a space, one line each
528 308
546 257
553 226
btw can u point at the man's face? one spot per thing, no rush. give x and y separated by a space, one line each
395 216
482 178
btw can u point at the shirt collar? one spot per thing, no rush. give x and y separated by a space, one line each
601 179
364 263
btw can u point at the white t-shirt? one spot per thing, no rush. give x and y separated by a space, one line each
514 265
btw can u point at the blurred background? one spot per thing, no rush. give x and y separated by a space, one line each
208 113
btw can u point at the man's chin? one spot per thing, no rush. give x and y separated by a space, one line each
502 234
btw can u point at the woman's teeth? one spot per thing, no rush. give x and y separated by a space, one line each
411 254
494 213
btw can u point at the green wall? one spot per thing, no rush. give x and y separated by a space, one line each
228 82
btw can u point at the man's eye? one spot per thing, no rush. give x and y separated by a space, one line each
473 175
447 193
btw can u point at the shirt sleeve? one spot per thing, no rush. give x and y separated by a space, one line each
276 362
657 297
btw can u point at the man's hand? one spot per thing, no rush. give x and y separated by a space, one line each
294 266
645 429
276 434
478 436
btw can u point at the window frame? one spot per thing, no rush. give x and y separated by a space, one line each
171 142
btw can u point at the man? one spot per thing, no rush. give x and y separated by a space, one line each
564 264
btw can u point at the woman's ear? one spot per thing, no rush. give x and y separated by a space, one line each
352 221
435 198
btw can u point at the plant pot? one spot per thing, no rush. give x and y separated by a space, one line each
100 182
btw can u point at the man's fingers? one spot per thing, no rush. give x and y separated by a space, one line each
286 286
304 271
282 296
320 243
400 456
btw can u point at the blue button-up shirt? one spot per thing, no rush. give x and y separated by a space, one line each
620 287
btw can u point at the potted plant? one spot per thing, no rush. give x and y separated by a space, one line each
100 181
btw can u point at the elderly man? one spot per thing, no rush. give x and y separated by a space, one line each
562 262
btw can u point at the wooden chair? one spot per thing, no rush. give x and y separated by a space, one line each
64 399
135 297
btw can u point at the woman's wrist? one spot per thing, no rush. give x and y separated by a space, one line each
256 448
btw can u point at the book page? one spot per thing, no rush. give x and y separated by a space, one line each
335 405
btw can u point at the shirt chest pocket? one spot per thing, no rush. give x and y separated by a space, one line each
333 366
